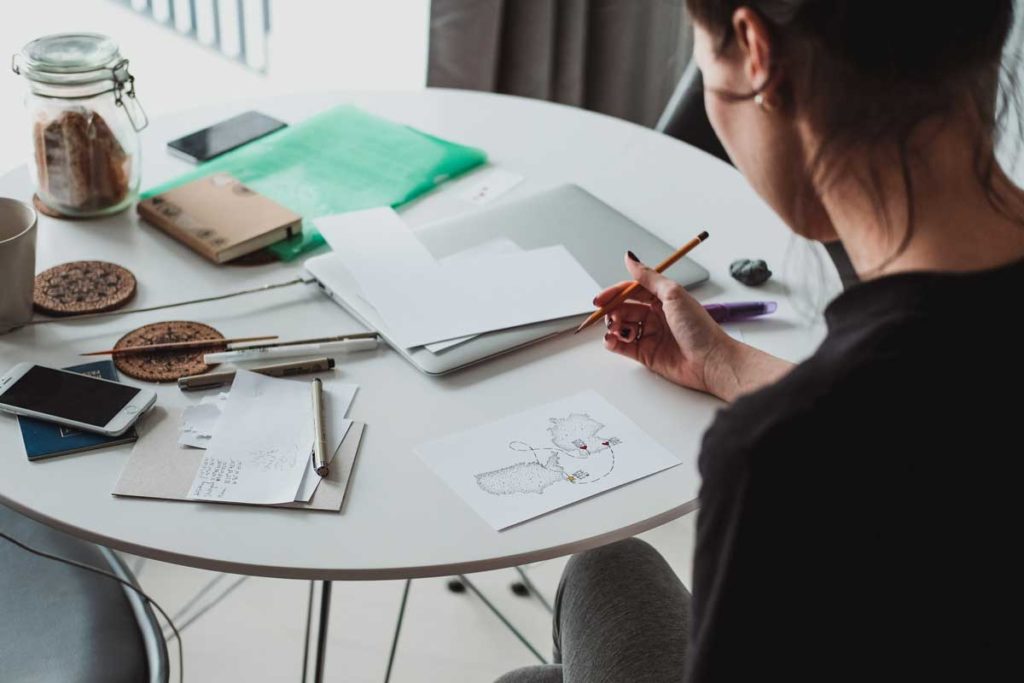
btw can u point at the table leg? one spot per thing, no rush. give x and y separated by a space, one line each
321 639
503 619
398 630
309 627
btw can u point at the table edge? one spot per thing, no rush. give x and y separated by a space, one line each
361 573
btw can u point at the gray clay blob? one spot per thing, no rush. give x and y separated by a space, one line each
751 272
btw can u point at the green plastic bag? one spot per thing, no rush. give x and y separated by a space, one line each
342 159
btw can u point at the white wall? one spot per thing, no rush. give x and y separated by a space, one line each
353 44
314 45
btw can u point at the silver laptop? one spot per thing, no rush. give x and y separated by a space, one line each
596 234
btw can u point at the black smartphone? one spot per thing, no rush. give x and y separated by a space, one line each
225 136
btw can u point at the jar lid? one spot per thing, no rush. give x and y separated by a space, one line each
69 59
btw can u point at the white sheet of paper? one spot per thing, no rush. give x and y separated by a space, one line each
261 444
545 458
502 245
490 185
429 302
496 293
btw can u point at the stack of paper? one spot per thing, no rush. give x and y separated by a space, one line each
425 301
258 449
498 246
251 445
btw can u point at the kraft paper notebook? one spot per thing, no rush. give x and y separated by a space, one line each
163 469
219 217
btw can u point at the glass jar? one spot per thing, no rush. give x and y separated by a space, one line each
85 123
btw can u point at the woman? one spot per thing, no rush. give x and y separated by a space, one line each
855 516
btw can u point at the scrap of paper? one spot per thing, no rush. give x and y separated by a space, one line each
199 421
490 185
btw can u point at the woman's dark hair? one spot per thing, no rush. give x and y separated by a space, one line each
870 72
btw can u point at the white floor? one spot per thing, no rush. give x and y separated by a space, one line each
256 632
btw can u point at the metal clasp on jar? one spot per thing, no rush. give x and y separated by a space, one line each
124 84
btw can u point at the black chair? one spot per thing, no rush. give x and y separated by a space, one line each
685 119
63 623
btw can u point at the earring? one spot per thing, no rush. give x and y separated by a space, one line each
763 102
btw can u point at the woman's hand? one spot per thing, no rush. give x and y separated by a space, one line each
666 329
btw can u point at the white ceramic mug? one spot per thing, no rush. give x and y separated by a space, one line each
17 262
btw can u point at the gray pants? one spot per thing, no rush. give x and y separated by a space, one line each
621 615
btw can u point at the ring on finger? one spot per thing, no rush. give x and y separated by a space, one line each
639 331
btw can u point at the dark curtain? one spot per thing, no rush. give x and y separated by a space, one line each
618 57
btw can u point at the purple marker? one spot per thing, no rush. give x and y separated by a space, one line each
724 313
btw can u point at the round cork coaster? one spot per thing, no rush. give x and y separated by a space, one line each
166 366
45 209
83 287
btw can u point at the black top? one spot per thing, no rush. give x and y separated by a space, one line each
860 518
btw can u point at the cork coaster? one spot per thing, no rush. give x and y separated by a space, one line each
45 209
83 287
166 366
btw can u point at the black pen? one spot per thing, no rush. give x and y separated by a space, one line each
216 379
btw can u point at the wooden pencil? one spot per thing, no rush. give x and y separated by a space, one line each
177 346
624 294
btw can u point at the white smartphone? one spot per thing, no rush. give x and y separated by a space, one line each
80 401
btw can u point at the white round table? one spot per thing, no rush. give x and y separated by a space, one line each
399 519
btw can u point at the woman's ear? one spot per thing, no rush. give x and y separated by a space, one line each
753 41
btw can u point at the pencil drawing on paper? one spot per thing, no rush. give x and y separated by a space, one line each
272 460
579 454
